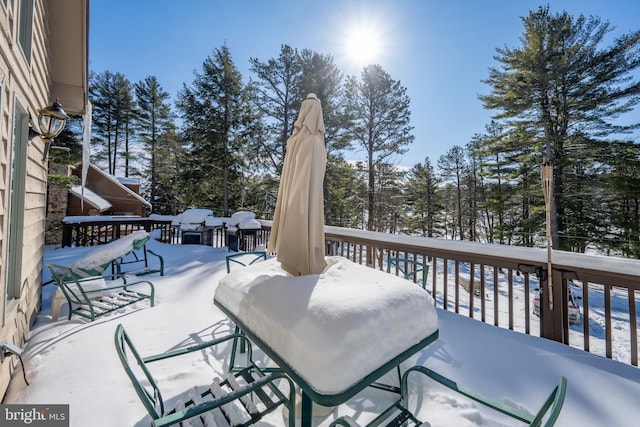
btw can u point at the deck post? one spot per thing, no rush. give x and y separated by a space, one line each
552 317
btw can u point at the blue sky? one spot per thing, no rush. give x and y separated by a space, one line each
439 50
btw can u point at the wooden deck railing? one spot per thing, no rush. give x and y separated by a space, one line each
490 283
496 284
92 231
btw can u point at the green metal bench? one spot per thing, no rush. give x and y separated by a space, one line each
241 399
409 269
398 413
93 296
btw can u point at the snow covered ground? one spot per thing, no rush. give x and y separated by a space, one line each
621 336
74 362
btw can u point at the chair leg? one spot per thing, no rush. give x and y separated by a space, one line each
56 303
234 349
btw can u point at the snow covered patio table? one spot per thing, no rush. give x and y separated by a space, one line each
334 333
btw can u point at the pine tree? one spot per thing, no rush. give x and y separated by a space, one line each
344 186
377 108
453 169
390 199
499 164
170 159
319 75
276 94
113 114
621 190
67 149
217 126
154 125
474 189
128 113
561 83
423 200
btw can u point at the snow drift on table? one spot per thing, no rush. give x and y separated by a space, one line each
333 328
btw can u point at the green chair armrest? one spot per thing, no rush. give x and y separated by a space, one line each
160 259
555 399
198 347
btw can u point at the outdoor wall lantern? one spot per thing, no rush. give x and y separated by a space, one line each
51 121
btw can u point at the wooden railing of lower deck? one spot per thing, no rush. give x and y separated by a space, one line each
496 284
92 231
99 230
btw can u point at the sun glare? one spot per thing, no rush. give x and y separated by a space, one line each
363 37
363 46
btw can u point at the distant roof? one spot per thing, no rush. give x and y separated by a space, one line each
90 197
123 187
128 180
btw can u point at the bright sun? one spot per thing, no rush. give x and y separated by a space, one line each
363 45
364 37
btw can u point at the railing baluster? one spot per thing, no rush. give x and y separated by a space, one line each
510 284
483 304
565 312
456 280
633 328
527 308
445 288
585 315
472 289
496 312
607 315
434 278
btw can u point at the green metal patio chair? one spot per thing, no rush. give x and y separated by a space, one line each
136 253
129 249
398 413
244 259
410 269
241 399
138 256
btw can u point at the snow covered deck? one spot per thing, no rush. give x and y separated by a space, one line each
513 367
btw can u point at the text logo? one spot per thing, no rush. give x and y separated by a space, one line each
34 415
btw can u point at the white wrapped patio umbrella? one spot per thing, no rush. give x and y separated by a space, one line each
297 234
